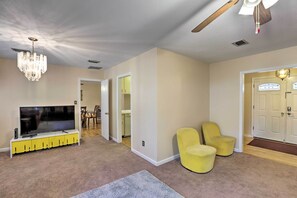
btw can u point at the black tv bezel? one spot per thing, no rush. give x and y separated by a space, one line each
34 134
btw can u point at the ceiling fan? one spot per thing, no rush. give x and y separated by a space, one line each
258 8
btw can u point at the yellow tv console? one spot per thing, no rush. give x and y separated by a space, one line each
44 141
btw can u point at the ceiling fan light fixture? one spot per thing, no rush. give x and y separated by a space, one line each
282 73
244 10
251 3
268 3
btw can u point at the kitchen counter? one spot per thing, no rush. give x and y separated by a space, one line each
126 111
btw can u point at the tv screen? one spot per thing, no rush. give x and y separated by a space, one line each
43 119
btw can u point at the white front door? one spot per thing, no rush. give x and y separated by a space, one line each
291 110
269 104
105 109
275 109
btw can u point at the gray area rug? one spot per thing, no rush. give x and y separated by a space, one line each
141 184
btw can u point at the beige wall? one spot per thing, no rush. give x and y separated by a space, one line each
143 100
248 97
91 94
168 91
58 86
183 98
225 84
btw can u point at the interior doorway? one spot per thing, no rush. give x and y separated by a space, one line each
270 106
90 108
124 110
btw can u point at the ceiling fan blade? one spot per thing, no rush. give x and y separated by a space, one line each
265 14
244 10
215 15
268 3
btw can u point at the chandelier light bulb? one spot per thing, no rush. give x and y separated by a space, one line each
31 64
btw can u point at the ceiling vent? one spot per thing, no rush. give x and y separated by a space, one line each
93 61
94 67
240 43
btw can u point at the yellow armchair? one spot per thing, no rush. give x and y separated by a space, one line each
194 156
213 137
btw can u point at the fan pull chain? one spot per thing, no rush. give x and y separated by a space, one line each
257 20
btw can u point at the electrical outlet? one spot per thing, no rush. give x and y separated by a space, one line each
143 143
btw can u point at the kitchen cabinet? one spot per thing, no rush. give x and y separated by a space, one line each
126 85
126 124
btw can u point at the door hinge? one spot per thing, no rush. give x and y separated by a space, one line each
253 106
253 85
253 127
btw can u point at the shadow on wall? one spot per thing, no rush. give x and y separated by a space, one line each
174 145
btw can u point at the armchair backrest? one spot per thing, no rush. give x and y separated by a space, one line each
210 130
187 137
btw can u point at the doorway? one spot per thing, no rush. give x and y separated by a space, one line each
124 110
274 109
90 108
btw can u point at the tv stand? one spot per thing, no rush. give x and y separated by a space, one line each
44 141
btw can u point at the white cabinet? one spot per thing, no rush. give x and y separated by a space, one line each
126 85
126 124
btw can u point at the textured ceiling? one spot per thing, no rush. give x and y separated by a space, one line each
70 32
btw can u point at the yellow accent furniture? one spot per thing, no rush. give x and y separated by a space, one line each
43 141
194 156
213 137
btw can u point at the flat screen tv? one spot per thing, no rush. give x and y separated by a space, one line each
44 119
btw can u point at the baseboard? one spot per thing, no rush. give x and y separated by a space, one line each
144 156
4 149
156 163
237 150
164 161
114 139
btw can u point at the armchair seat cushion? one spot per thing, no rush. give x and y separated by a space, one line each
200 150
223 139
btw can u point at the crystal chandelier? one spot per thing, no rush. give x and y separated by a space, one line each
31 64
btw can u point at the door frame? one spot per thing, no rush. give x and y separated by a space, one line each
79 102
118 105
241 98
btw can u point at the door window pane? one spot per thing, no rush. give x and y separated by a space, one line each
270 87
295 85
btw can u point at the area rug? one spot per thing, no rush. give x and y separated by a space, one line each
274 145
141 184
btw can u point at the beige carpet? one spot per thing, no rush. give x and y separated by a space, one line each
71 170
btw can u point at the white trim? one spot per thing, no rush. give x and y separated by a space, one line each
79 102
241 98
248 135
164 161
144 156
237 150
114 139
156 163
118 113
6 149
241 112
